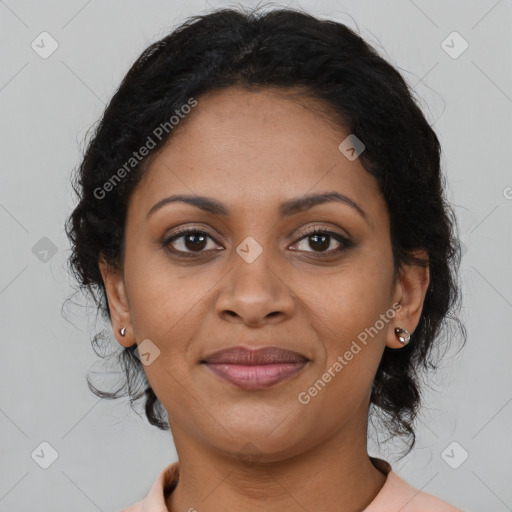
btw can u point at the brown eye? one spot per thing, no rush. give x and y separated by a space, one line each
188 242
321 240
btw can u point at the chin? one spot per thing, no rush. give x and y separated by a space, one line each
258 443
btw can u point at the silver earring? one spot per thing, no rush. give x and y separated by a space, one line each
403 335
122 331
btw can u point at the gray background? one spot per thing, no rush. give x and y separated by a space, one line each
108 457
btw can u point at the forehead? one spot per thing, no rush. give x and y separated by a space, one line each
255 148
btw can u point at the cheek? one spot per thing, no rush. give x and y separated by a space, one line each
167 306
352 299
167 311
160 298
348 311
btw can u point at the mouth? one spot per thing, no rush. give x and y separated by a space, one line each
255 369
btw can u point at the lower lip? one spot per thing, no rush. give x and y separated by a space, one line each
256 377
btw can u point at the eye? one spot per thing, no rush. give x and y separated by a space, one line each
191 242
187 242
320 240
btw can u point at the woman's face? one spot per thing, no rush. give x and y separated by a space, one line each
256 279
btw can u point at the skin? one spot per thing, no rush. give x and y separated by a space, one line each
252 150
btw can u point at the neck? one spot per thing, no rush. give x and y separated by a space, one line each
334 476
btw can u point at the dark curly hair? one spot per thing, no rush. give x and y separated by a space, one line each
359 90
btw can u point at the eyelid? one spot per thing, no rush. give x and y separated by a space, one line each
185 229
326 229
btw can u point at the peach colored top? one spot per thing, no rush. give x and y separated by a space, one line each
396 495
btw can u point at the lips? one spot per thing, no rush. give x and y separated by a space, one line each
253 357
255 369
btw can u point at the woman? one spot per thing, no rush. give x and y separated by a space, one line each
262 219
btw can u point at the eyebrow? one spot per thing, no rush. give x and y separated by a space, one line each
286 209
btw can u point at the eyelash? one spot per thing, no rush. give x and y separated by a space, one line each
346 243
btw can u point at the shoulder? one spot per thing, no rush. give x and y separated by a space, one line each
413 500
161 488
136 507
397 495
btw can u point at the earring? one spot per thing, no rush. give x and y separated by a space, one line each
403 335
122 331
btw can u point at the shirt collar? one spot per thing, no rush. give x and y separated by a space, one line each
168 478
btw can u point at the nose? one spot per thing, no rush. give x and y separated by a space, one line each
254 294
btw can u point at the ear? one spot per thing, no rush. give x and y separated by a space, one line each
410 289
117 302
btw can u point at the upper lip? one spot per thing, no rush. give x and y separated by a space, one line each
246 356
